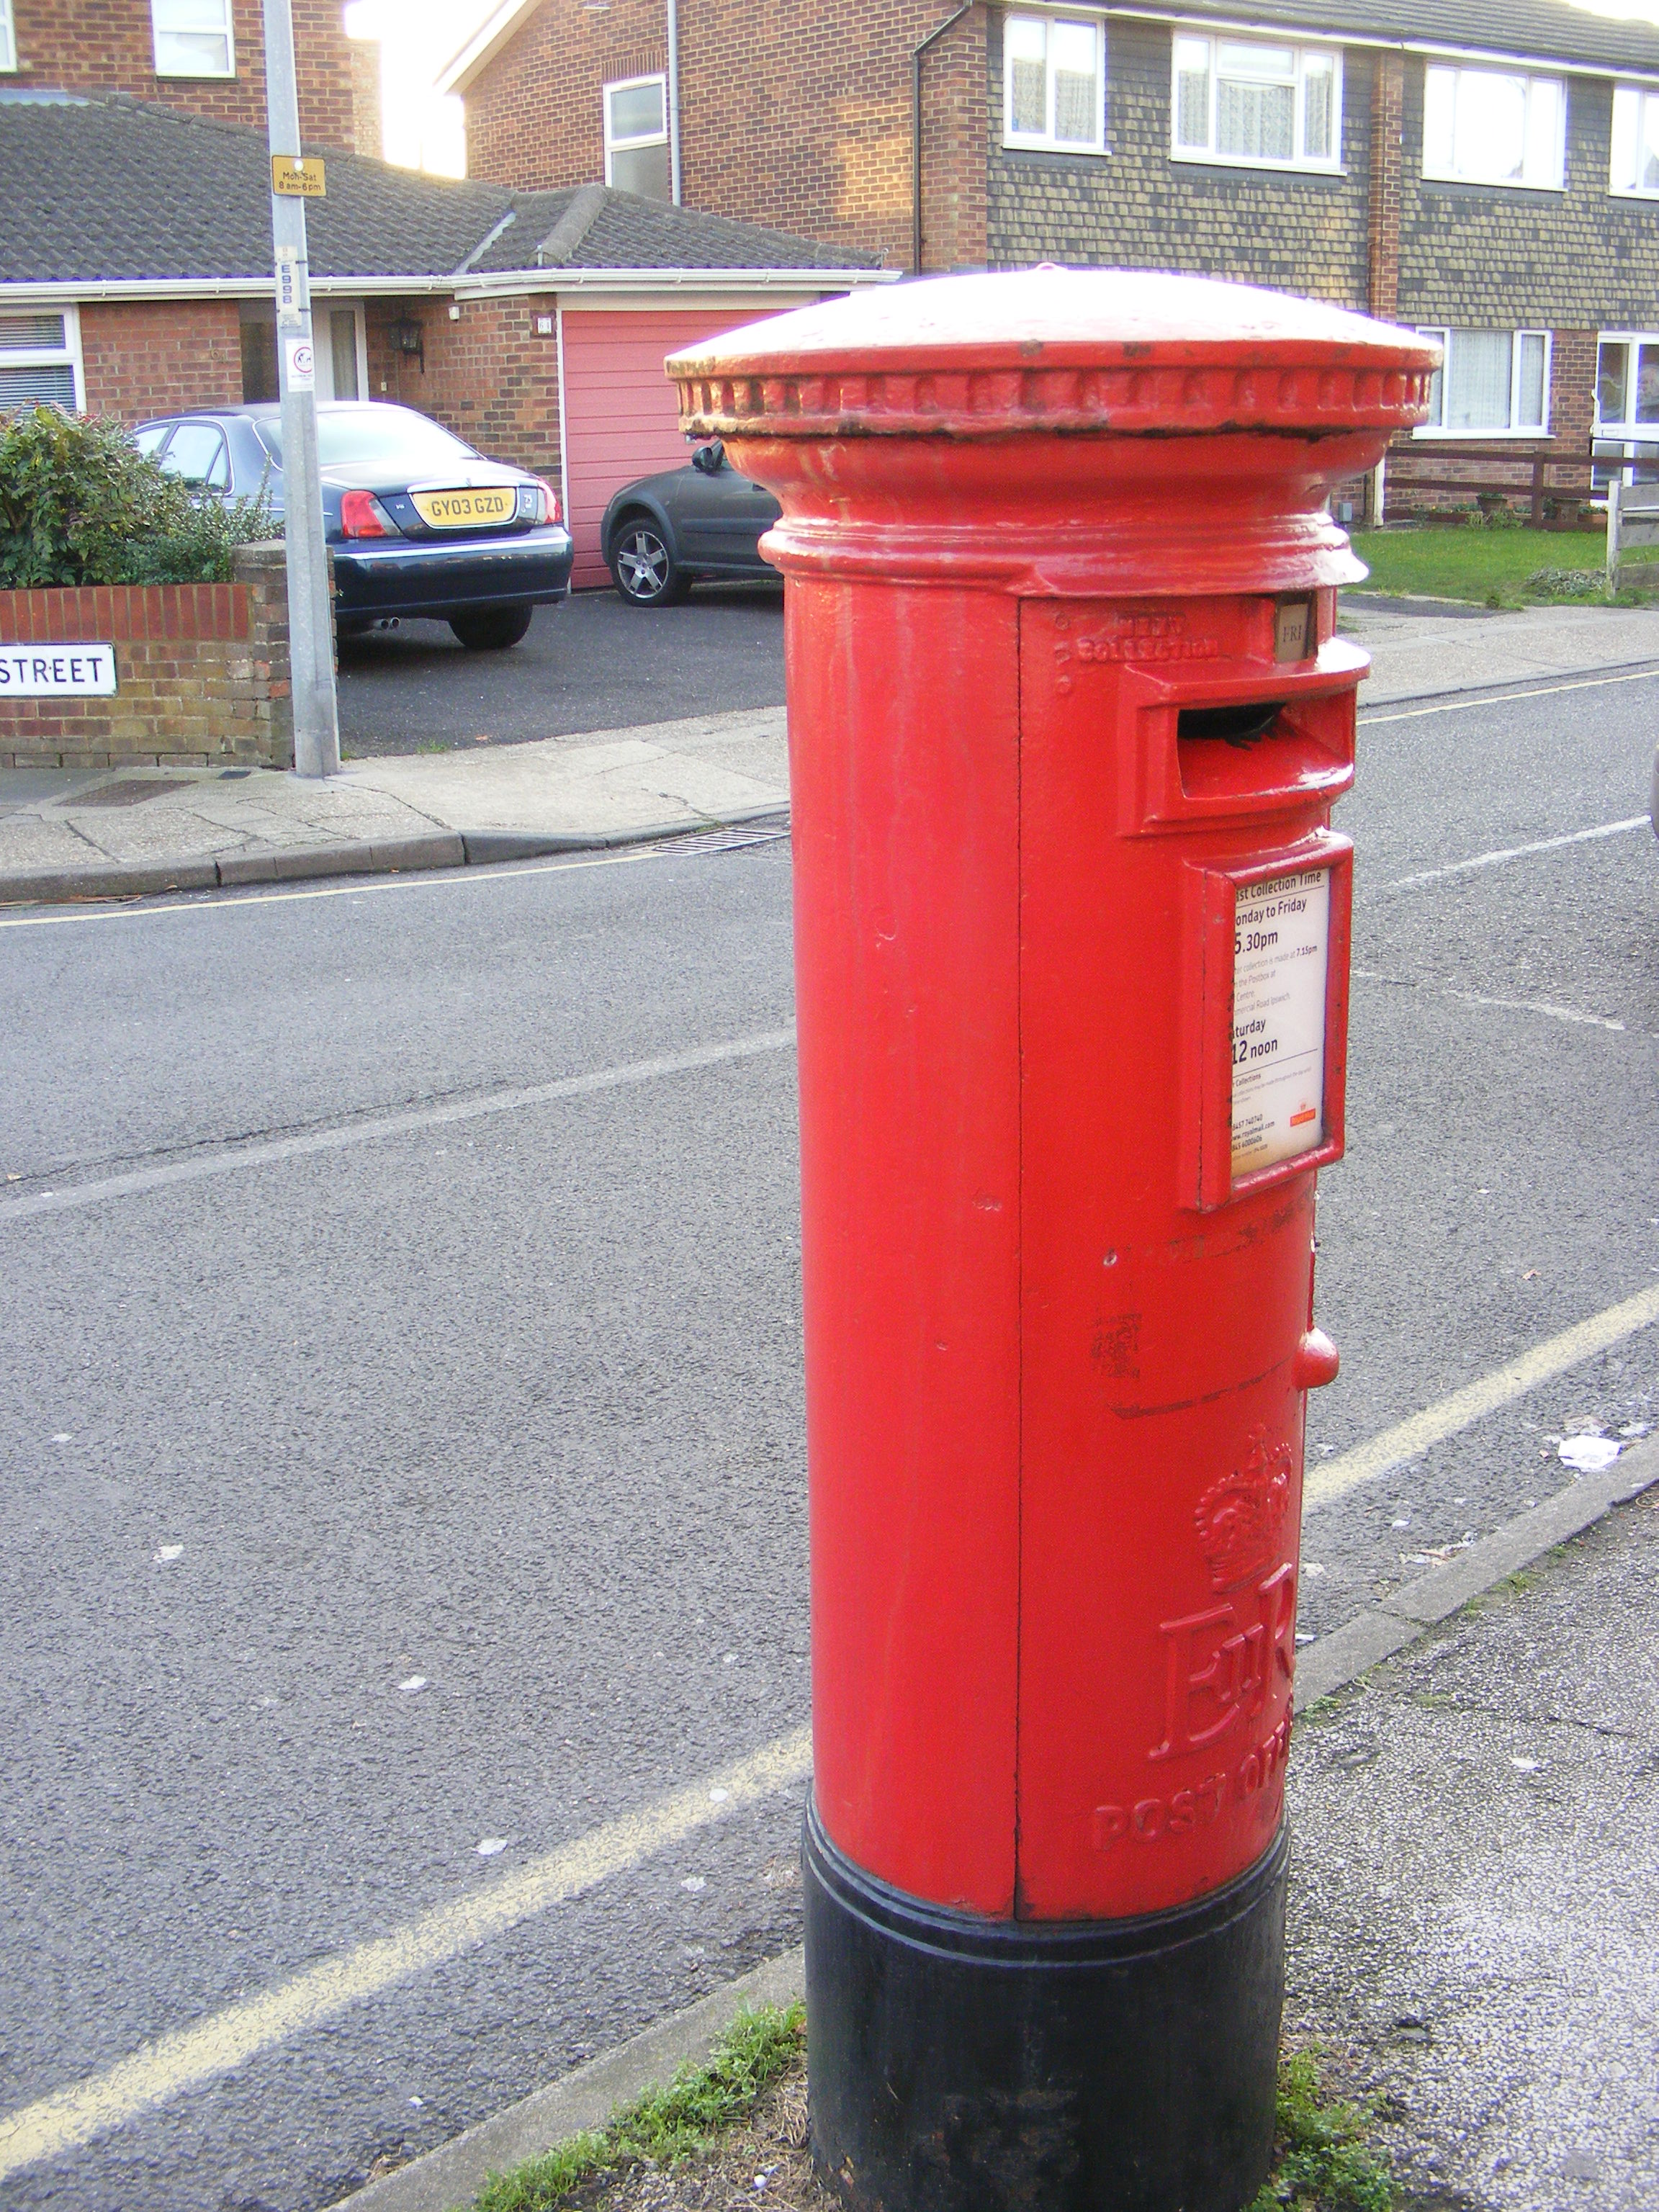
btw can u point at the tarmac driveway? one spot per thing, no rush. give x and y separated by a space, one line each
594 663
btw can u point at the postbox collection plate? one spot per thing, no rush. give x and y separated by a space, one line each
1266 963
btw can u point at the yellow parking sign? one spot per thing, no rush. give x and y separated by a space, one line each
298 177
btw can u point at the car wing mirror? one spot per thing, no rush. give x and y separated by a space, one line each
710 459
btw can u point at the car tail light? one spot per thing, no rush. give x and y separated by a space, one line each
551 511
362 515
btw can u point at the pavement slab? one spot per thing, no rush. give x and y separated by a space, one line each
1476 1827
1416 654
62 837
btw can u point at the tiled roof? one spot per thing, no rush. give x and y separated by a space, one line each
1546 30
103 188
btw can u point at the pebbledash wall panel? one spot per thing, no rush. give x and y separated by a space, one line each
202 672
1133 207
622 414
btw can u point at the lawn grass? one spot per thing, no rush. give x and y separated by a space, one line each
1494 568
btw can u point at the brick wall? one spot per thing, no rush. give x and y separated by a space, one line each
106 46
1134 208
1388 145
954 148
202 672
798 117
156 357
535 117
488 376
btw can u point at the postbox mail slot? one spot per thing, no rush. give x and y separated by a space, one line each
1244 741
1233 758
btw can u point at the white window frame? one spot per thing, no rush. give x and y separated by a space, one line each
1207 34
67 356
1044 141
613 146
159 30
1637 442
1451 174
7 39
1447 335
1634 99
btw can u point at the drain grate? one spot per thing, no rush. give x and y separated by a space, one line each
133 792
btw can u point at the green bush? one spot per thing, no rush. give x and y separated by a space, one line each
80 504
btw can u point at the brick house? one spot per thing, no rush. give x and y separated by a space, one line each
136 280
1489 173
202 57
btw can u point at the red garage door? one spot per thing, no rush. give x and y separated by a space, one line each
622 414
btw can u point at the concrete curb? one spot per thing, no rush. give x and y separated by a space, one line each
438 848
1363 1642
451 2176
1540 678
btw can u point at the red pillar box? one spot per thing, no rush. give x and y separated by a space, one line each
1067 713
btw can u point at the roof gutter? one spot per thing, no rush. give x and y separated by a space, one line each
520 281
570 284
1374 41
114 289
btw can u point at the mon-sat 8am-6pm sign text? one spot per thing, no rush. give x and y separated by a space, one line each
56 672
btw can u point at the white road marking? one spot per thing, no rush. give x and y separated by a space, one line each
1410 1439
1507 699
232 900
1515 852
184 2060
373 1129
1477 999
69 2118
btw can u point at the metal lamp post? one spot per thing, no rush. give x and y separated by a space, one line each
310 625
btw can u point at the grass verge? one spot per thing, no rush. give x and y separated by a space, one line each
1322 2162
1496 567
665 2125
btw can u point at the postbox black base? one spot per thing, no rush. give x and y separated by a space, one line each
965 2065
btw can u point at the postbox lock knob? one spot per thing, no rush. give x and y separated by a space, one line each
1315 1362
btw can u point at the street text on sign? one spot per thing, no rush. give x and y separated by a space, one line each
1282 933
56 672
298 177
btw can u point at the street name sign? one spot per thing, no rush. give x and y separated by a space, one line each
56 672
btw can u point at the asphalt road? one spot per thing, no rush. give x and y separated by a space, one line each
510 1405
594 663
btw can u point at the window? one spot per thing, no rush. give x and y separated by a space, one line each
193 37
1635 142
1492 383
1263 107
8 37
40 360
1486 127
1053 84
636 138
1627 440
197 452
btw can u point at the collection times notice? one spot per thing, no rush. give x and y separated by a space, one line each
1281 933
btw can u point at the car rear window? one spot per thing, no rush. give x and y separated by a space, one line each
389 438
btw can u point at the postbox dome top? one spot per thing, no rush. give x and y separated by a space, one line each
1103 349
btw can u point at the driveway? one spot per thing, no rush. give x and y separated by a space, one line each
593 664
